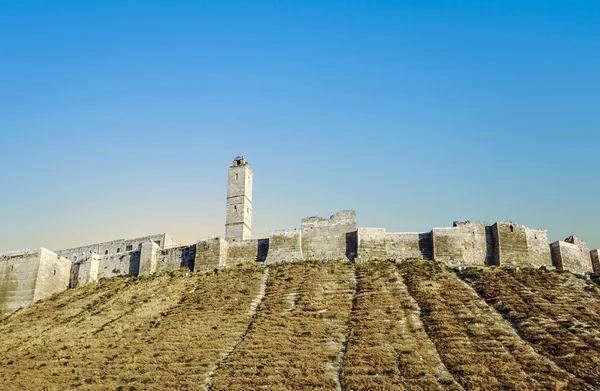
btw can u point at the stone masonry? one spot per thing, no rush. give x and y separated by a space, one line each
30 275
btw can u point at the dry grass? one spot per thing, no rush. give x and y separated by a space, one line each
161 332
557 313
296 336
388 348
478 347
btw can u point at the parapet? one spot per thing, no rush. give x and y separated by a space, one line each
572 255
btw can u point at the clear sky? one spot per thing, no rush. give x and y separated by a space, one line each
120 118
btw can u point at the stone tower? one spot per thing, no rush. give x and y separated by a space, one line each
239 201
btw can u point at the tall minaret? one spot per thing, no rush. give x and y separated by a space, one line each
239 201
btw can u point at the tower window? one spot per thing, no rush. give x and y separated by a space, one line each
118 250
235 207
236 177
512 228
105 252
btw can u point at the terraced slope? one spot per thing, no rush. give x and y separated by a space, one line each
164 332
557 313
295 340
311 325
388 348
478 347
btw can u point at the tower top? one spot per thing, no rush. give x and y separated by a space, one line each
239 161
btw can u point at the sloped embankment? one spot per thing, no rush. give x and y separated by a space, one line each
388 348
477 346
161 332
297 333
557 313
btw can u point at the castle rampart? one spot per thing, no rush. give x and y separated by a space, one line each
29 275
572 255
517 245
595 256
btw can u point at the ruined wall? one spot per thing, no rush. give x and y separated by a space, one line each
332 238
572 255
285 245
30 275
210 254
517 245
595 257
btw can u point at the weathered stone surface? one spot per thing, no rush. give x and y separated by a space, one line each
30 275
332 238
517 245
239 201
466 243
285 245
376 243
595 256
572 255
210 254
148 258
246 251
119 246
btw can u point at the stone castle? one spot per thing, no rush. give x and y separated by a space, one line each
30 275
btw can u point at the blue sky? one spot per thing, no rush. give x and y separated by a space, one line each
119 119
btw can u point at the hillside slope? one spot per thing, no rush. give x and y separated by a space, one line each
416 325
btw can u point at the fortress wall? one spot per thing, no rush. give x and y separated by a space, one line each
538 247
516 245
210 254
18 274
53 275
408 245
447 244
476 243
595 257
371 244
243 251
332 238
119 264
148 258
571 255
85 271
285 245
175 258
117 246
